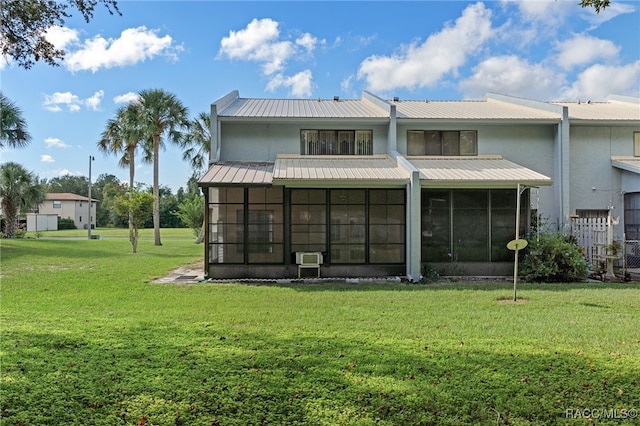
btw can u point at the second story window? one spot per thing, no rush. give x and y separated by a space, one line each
636 144
57 204
442 142
336 142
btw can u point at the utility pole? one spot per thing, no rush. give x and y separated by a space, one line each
91 158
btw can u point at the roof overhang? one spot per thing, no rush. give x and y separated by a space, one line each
475 172
630 164
338 171
230 173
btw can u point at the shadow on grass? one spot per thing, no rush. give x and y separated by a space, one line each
448 286
211 375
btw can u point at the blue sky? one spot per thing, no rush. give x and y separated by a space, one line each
201 50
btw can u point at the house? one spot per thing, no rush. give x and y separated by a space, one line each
70 206
378 187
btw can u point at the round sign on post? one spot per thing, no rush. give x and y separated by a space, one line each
518 244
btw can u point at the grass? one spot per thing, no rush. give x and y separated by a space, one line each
86 339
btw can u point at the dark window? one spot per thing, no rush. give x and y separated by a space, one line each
57 204
246 225
470 225
632 216
592 213
336 142
442 142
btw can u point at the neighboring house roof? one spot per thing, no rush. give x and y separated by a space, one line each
350 170
483 171
489 109
302 108
630 164
602 111
66 196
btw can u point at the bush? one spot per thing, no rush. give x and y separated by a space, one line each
552 257
67 223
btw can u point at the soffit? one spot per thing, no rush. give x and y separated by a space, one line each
630 164
484 171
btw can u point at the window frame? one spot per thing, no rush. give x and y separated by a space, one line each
455 143
336 142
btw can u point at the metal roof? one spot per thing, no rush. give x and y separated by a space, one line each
631 164
483 171
302 108
338 170
489 109
603 111
236 173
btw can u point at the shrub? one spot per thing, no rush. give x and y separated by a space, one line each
67 223
552 257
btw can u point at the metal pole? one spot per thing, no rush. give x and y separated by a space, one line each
91 158
515 263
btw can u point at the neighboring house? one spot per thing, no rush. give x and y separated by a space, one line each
380 188
70 206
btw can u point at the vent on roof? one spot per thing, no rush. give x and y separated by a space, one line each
396 99
336 98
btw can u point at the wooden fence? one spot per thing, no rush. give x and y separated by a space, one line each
591 235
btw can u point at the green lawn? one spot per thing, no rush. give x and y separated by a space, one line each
87 339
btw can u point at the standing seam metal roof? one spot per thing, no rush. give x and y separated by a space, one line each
489 109
302 108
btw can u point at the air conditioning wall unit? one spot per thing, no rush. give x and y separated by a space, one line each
309 258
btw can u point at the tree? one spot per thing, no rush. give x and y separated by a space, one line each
103 181
123 135
162 115
74 184
598 5
191 213
197 144
13 126
25 23
137 206
19 189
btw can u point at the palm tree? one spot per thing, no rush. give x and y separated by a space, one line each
198 143
162 114
122 135
198 146
13 126
19 189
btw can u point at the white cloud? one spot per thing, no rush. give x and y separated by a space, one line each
307 41
93 102
61 37
584 49
426 64
261 42
616 8
47 159
73 103
598 81
299 84
514 76
134 45
258 42
125 98
58 99
55 143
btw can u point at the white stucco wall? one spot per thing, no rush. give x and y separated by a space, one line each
595 183
263 141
